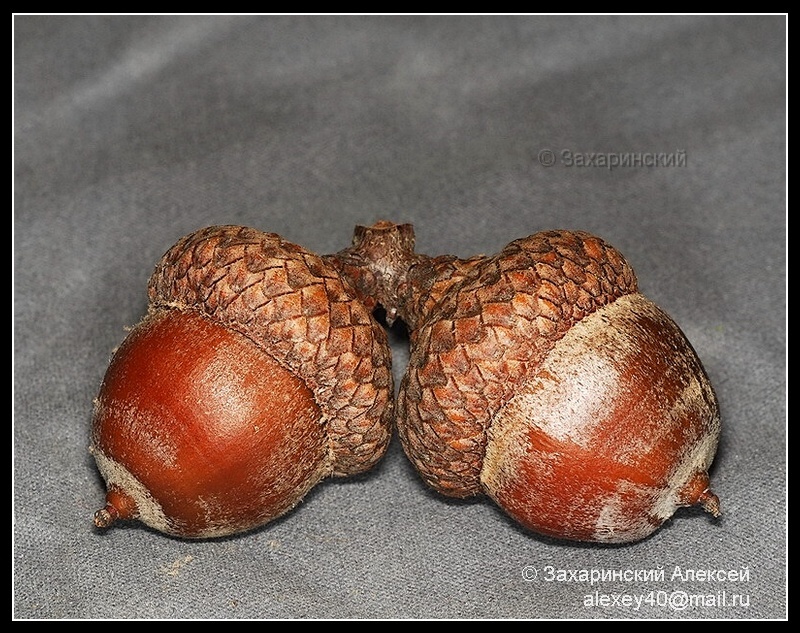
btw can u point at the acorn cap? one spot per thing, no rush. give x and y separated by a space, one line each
484 332
295 306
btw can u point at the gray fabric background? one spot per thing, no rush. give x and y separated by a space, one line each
132 131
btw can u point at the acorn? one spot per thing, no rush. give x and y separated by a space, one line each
542 378
255 374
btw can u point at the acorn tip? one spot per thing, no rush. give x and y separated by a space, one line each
710 503
105 517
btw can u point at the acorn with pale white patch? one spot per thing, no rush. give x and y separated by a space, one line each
541 377
255 375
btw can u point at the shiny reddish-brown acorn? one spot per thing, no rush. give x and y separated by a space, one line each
255 374
541 377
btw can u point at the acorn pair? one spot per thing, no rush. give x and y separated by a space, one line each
539 376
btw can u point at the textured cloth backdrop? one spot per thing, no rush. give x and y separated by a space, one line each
132 131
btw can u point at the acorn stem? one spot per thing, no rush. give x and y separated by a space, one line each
383 269
377 264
